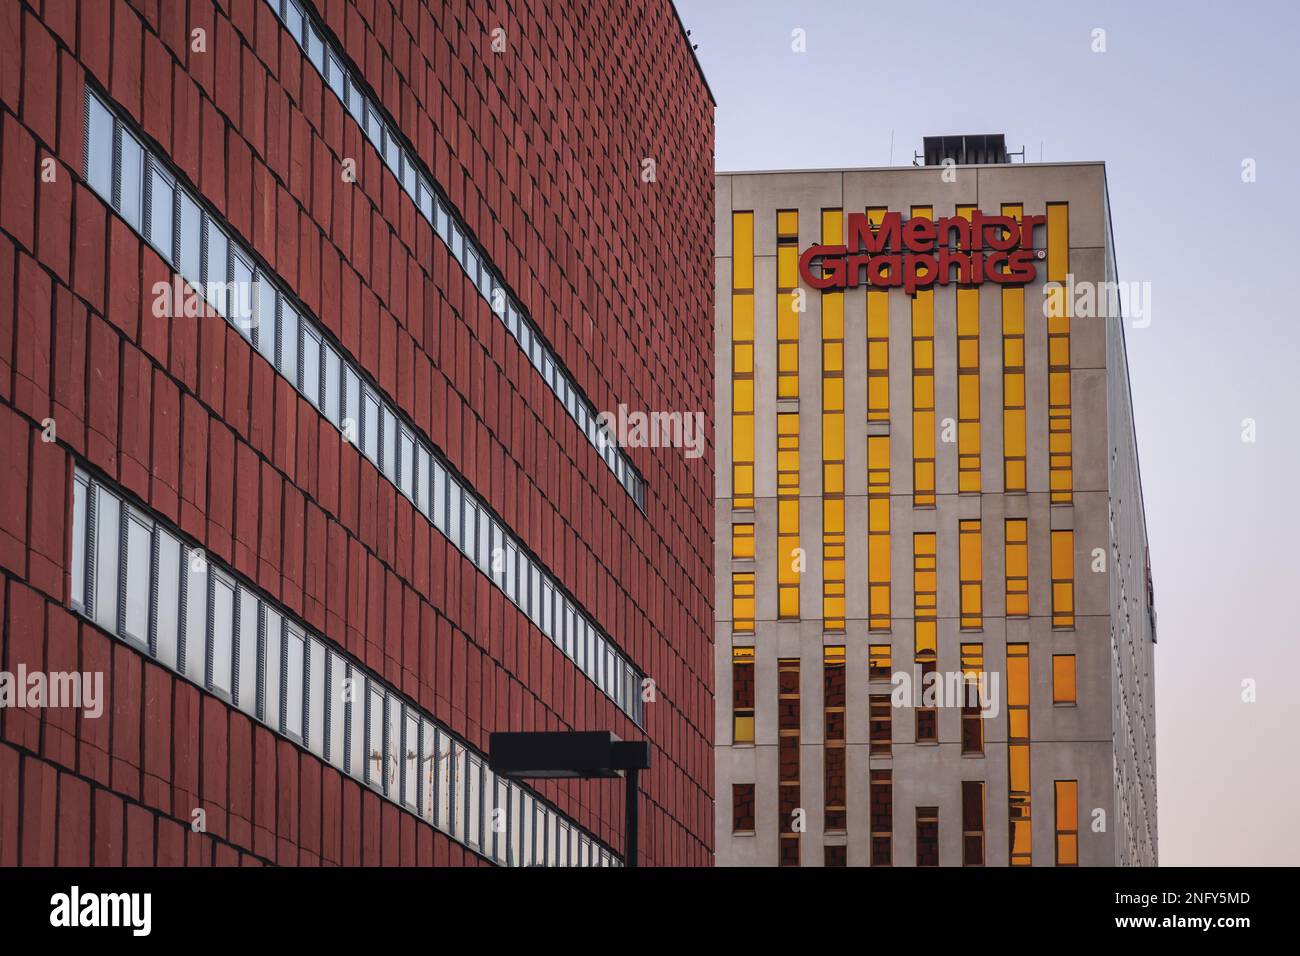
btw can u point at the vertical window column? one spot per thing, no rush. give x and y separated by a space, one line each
1017 567
742 695
923 485
882 817
968 381
925 574
1014 441
878 567
1063 579
1067 823
742 808
972 823
787 514
972 720
971 571
927 836
1059 414
835 782
1021 834
877 340
833 541
742 360
788 757
787 422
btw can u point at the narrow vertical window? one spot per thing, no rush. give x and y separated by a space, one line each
971 569
139 578
294 676
1067 823
162 211
1059 414
742 540
107 538
788 727
1017 567
1064 690
742 360
1063 579
742 808
742 691
878 567
882 816
878 662
271 677
1021 842
877 340
833 531
742 602
168 613
972 823
130 182
80 492
880 716
968 382
925 577
835 778
1014 441
923 461
787 303
972 704
788 557
99 147
927 836
222 635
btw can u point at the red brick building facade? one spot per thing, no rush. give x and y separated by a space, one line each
570 147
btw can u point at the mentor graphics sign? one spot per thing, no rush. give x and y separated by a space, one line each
919 253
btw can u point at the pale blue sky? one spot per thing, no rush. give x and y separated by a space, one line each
1184 92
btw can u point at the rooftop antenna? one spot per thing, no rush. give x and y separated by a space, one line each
891 147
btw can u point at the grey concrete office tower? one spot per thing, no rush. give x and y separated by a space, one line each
935 634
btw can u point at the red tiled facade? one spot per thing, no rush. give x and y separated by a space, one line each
540 148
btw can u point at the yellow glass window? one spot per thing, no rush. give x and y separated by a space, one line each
1014 443
1062 579
742 694
877 341
968 382
788 300
742 540
1017 562
742 360
879 666
923 440
1059 413
789 557
833 540
1067 823
1021 842
971 571
925 582
878 570
1064 690
742 602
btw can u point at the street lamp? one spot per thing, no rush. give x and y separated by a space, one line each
574 754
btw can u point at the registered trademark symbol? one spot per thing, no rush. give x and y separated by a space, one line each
1042 253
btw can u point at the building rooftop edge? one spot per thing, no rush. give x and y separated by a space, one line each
903 168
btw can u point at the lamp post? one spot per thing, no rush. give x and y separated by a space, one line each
575 754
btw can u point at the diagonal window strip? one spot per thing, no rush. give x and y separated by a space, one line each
199 247
138 579
302 24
